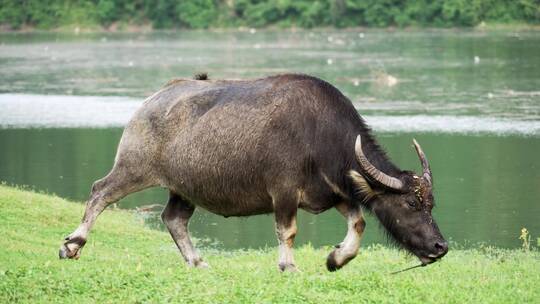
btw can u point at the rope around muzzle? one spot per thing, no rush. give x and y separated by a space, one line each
412 267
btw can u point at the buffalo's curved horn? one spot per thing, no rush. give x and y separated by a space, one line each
374 173
425 165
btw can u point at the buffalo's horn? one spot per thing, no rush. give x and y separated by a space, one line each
425 165
374 173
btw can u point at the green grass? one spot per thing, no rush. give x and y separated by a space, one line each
124 261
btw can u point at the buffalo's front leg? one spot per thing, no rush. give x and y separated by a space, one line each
348 249
176 217
285 214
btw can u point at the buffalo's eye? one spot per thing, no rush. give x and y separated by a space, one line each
412 204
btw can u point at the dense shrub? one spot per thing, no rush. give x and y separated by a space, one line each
197 13
259 13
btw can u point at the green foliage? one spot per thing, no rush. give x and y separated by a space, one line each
259 13
197 13
125 262
162 14
12 13
106 11
463 12
529 10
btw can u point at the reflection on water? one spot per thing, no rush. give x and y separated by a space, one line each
486 187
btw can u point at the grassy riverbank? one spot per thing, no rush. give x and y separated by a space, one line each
126 262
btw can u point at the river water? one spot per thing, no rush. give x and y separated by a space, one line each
471 98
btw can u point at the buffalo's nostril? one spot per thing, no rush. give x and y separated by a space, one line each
442 247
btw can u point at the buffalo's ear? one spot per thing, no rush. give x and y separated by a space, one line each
363 186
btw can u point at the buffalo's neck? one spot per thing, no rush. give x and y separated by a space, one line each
380 160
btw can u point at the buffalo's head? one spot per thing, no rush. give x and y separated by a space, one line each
403 205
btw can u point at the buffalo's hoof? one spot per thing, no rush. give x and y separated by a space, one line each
331 263
337 259
71 249
198 264
66 253
286 267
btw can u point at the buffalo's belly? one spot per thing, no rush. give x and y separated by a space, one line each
243 205
234 209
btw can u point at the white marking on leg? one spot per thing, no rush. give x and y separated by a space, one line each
286 241
348 249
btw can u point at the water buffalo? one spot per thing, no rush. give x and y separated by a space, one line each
270 145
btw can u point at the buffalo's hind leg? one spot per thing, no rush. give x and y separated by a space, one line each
117 184
348 249
176 217
285 211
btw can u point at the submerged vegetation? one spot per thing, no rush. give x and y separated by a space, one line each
126 262
256 13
